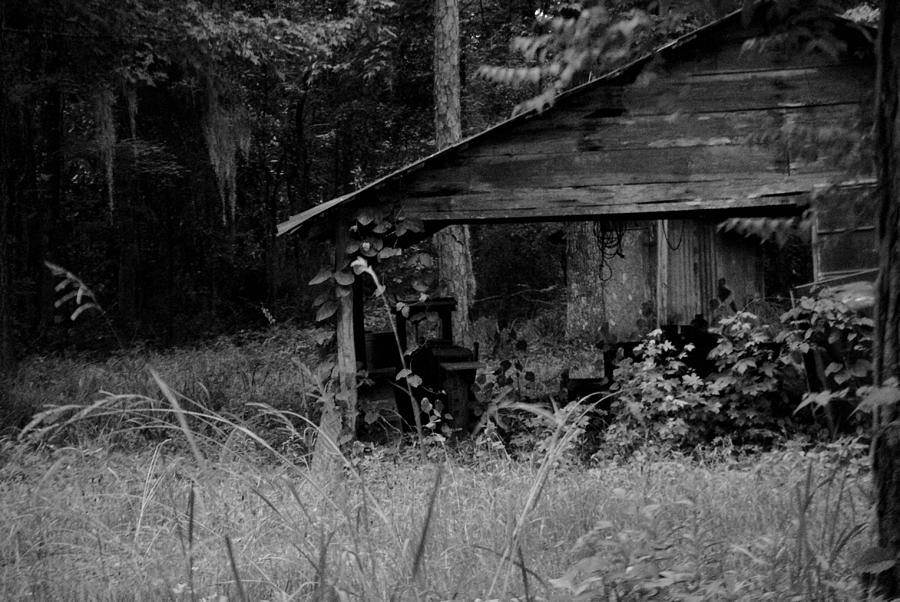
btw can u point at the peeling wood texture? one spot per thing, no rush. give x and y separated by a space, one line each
699 127
703 131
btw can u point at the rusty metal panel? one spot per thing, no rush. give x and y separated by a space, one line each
739 262
699 257
685 274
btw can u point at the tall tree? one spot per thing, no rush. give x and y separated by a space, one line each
453 243
886 443
6 351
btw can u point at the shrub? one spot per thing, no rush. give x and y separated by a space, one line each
659 397
750 393
831 344
750 398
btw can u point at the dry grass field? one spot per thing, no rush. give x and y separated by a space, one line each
119 499
82 523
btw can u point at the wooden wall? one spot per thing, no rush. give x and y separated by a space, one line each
704 128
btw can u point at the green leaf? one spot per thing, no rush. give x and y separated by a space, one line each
323 275
327 310
370 246
382 227
833 368
56 270
388 252
861 368
745 364
876 397
875 560
82 308
820 400
365 216
64 298
344 278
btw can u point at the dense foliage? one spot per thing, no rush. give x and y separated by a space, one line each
152 146
770 381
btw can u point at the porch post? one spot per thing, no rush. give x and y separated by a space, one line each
662 272
339 410
345 327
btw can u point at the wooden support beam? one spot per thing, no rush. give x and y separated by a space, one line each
346 339
339 410
359 324
662 272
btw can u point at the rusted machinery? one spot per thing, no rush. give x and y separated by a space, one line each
447 370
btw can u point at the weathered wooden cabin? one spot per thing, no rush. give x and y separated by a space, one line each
700 130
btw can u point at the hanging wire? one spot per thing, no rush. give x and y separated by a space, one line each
608 237
680 238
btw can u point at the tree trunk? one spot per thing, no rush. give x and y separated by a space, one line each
453 243
7 357
7 354
585 304
886 441
128 265
51 208
612 299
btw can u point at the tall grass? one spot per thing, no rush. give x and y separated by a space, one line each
191 483
231 515
225 374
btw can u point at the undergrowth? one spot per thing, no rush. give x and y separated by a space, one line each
210 509
191 481
223 375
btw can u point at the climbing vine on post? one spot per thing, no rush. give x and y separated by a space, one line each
375 235
370 235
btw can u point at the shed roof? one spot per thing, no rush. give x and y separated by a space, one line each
590 142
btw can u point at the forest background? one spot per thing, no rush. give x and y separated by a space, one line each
151 147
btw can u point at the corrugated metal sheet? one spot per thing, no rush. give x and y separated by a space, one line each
739 261
699 257
686 277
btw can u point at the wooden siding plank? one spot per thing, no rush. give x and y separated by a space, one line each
731 90
630 166
748 90
577 133
584 201
733 58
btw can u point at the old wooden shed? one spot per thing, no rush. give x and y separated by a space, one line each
702 129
